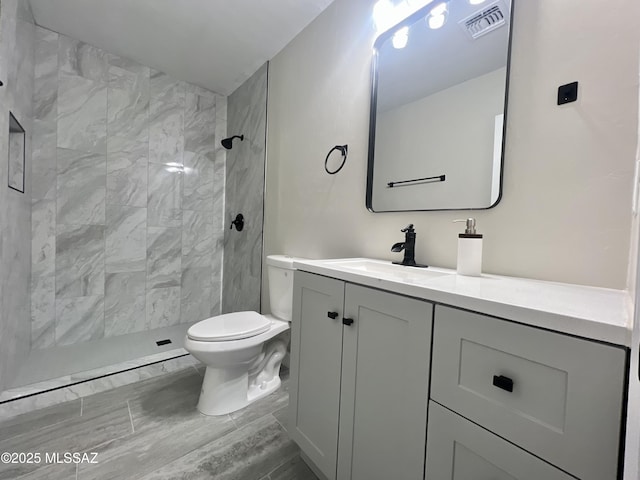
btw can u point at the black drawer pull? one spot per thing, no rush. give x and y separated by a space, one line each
332 315
347 321
505 383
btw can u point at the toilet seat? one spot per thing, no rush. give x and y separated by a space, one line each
228 327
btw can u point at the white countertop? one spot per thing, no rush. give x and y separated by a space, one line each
590 312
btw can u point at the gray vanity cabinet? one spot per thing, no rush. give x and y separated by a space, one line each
316 365
559 397
359 381
461 450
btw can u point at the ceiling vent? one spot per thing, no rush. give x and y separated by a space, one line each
486 20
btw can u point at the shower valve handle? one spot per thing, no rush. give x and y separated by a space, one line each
238 222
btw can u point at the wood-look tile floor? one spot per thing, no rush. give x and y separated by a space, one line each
151 430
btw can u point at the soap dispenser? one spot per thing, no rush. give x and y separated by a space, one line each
469 250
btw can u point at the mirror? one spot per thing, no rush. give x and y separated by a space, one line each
437 108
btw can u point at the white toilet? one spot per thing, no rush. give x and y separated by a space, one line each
241 350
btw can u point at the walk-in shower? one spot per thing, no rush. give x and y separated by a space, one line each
125 184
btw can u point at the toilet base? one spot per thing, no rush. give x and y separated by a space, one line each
226 390
256 392
233 396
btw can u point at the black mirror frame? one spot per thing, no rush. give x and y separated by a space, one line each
382 38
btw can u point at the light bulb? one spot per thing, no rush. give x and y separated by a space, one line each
437 16
383 14
400 38
436 22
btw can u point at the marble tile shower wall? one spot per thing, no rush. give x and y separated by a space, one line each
16 71
128 196
246 114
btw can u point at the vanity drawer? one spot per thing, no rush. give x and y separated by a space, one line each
458 449
557 396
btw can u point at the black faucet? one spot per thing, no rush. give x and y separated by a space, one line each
409 247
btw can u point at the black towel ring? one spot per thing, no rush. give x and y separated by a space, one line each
343 151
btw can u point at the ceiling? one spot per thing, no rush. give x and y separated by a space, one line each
216 44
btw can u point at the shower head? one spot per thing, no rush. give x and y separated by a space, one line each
227 142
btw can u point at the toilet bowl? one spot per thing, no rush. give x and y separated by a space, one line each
243 350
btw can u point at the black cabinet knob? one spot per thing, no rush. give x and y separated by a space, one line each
347 321
332 315
505 383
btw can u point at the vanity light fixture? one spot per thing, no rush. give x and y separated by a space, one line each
383 15
438 16
416 5
387 13
400 38
476 2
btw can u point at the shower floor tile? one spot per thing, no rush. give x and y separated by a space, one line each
60 366
152 430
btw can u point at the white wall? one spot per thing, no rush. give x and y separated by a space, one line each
632 457
565 211
632 453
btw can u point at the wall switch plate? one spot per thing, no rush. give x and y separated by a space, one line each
567 93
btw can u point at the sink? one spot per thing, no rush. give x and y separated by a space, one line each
385 270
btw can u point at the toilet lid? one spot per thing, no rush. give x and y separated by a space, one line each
231 326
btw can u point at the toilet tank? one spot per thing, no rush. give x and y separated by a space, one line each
280 271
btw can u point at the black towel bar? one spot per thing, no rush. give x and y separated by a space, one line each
438 178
